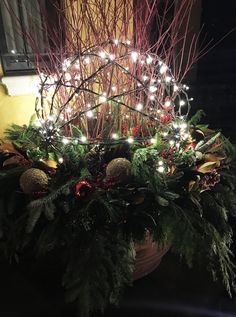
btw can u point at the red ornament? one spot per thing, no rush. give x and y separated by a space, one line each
135 130
190 146
81 188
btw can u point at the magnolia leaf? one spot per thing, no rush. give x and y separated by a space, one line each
49 163
8 148
213 158
206 167
14 160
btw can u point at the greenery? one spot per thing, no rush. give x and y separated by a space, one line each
93 222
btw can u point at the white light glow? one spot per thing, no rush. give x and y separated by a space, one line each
83 138
139 107
163 68
89 114
149 59
152 88
115 136
130 140
134 56
161 169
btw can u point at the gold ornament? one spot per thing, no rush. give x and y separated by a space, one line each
33 180
119 169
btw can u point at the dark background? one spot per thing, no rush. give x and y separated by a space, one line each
215 87
173 289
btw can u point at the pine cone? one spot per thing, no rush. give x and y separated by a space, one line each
95 160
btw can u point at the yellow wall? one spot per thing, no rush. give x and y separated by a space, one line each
14 109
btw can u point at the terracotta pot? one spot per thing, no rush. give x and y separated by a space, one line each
148 257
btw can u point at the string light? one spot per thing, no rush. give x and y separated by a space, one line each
65 141
152 88
102 54
130 140
102 99
60 160
149 60
161 169
83 139
115 136
139 107
182 103
134 56
163 69
89 114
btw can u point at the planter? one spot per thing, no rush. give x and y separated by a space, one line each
148 257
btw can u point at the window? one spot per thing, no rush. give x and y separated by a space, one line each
19 20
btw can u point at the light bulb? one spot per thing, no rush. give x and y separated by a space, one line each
153 140
89 114
182 103
168 79
60 160
130 140
163 68
116 42
115 136
65 141
139 107
102 99
149 59
113 88
152 88
167 103
102 54
134 56
161 169
176 88
83 138
87 60
128 42
145 77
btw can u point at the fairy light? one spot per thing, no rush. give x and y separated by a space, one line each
139 107
87 60
160 163
102 54
115 136
152 97
163 68
13 51
183 125
130 140
67 76
102 99
167 103
168 79
145 77
65 141
83 138
161 169
172 142
134 56
113 88
149 59
152 88
181 102
176 88
153 140
116 42
89 114
128 42
60 160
